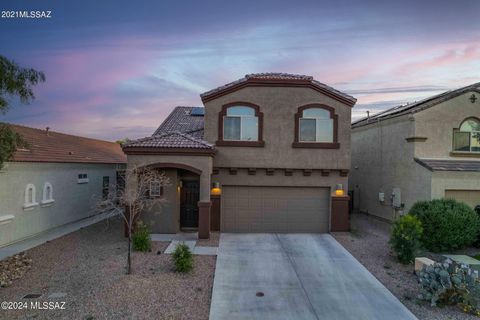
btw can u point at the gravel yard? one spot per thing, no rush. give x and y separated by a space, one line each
86 269
368 242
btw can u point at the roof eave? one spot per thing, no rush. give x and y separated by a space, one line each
168 151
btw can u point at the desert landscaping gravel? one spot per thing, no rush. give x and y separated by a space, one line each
86 270
368 242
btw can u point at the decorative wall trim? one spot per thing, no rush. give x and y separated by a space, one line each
175 166
325 172
228 143
233 171
252 171
288 172
307 172
270 171
317 145
170 151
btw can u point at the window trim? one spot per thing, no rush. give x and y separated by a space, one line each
463 152
316 145
46 201
239 143
30 204
161 191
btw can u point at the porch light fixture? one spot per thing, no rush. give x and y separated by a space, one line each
339 190
216 190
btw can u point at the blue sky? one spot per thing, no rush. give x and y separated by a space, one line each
117 68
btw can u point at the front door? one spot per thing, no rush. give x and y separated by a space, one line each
189 197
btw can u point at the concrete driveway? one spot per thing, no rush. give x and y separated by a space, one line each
301 276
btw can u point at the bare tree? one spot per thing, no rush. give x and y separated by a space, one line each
142 192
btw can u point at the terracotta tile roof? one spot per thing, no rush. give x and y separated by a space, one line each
273 77
416 106
449 165
174 139
180 120
60 147
182 129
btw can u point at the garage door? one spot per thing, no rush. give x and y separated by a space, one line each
470 197
275 209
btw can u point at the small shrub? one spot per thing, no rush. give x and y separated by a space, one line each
447 224
448 283
183 258
141 238
405 238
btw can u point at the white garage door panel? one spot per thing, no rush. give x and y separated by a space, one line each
275 209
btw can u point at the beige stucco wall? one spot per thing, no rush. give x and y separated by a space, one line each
437 123
165 217
383 160
447 180
279 105
73 201
202 163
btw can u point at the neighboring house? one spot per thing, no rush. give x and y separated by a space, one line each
265 154
55 181
421 151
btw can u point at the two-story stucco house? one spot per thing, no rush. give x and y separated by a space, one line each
264 154
421 151
54 181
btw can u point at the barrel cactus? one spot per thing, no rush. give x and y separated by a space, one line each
448 283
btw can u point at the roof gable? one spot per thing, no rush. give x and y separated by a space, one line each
416 106
278 80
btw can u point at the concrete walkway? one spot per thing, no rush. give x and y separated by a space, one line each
50 235
296 276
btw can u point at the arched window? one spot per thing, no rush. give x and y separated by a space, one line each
47 193
467 137
30 196
240 124
316 126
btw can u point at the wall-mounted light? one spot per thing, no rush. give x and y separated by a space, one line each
339 190
473 98
216 190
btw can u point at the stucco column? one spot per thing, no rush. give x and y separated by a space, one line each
204 206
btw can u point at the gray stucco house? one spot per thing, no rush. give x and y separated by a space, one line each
264 154
420 151
54 181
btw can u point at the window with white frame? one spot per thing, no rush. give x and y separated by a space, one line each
467 137
315 125
30 197
82 178
156 189
240 124
47 197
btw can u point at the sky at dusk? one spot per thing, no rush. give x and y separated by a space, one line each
116 69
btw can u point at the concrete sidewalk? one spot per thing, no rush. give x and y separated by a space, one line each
296 276
50 235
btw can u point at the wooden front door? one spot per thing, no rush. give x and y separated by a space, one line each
189 197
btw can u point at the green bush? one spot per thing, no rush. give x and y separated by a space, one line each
448 283
183 258
405 238
447 224
141 238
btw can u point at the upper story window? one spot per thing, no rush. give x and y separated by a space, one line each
316 127
467 137
240 124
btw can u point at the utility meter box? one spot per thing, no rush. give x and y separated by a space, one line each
396 198
381 196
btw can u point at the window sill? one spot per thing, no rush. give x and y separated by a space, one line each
6 219
316 145
82 181
30 206
224 143
46 203
465 154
